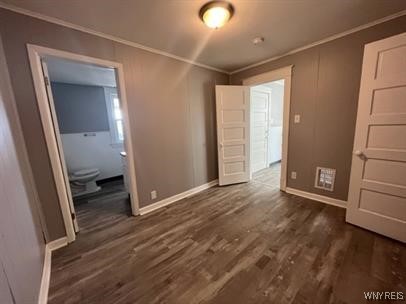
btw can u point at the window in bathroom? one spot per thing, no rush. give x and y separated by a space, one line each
115 116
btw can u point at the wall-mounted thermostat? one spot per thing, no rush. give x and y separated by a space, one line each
325 178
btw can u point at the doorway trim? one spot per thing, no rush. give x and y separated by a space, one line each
284 73
35 53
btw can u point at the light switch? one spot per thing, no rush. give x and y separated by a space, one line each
293 175
154 194
297 118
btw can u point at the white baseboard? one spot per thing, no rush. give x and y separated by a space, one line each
46 277
59 243
46 270
317 197
177 197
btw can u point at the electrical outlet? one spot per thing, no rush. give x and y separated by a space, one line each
297 118
154 194
293 175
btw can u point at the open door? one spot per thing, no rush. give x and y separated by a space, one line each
260 103
377 195
233 133
66 191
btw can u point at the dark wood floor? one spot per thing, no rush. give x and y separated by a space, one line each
102 209
245 243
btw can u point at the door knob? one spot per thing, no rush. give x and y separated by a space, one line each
360 154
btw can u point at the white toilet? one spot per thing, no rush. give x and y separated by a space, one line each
84 181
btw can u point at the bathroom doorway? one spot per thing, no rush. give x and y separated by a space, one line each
84 114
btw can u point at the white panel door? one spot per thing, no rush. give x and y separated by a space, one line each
59 165
377 195
259 129
233 138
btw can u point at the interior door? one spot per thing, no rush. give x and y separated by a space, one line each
259 129
377 195
59 143
233 136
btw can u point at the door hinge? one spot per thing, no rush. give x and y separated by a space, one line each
73 215
46 79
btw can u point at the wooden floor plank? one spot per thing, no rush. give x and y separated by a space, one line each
245 243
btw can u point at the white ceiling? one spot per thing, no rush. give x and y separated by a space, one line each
173 26
67 71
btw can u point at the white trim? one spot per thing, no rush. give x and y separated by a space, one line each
166 54
328 39
103 35
284 73
318 197
273 75
46 270
59 243
52 146
35 53
177 197
46 276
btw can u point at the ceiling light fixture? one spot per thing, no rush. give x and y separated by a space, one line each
215 14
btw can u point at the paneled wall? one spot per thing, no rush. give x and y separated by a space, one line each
21 241
325 87
170 105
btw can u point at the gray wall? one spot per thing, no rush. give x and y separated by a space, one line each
325 86
80 108
6 296
171 108
21 241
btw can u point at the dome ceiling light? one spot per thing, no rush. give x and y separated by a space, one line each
216 14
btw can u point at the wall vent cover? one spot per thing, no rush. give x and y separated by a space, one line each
325 178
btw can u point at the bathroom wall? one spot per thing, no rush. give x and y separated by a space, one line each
94 151
84 127
275 123
80 108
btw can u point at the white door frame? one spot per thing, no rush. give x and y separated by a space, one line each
35 54
284 73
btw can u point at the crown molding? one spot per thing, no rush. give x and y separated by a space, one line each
103 35
330 38
169 55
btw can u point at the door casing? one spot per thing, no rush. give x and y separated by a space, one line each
35 54
284 73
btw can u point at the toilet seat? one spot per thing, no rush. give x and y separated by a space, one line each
85 172
84 181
